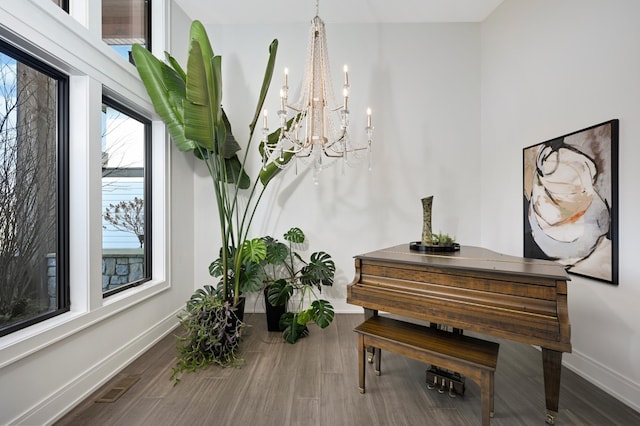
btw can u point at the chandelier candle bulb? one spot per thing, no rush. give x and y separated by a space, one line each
264 119
368 117
286 77
345 93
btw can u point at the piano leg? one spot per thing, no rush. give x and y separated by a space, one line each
551 365
368 313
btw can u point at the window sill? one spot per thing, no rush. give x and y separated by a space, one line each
37 337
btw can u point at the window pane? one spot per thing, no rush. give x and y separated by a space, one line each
64 4
125 23
124 199
30 269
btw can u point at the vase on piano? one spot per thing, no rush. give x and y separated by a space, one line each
427 236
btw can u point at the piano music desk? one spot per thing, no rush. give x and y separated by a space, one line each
474 358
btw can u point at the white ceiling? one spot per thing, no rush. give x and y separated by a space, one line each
337 11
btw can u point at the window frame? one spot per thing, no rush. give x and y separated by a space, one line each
148 192
97 70
63 291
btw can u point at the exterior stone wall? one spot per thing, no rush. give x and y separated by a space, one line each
118 269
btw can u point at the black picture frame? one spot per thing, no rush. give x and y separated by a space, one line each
570 201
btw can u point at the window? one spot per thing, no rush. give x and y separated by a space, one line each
125 23
34 282
126 196
64 4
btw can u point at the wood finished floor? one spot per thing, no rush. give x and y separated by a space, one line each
314 382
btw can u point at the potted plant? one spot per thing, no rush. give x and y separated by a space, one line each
190 104
211 333
291 279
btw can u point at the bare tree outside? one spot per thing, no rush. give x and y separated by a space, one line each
127 216
28 197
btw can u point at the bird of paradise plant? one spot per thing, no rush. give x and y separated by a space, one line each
190 104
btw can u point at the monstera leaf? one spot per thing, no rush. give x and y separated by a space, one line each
292 329
320 270
322 313
279 293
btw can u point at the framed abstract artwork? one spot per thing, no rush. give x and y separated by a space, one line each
570 199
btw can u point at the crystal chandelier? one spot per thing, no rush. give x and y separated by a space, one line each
318 126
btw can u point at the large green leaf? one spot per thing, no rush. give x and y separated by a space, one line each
320 270
213 70
253 251
266 82
292 330
322 313
199 108
251 278
271 170
236 174
175 65
279 293
166 89
230 145
277 252
294 235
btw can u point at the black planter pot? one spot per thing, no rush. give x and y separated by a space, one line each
273 313
239 308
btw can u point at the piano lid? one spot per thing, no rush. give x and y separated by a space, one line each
470 258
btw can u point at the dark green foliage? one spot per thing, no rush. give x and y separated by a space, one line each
290 278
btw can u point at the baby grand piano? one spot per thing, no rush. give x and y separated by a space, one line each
473 289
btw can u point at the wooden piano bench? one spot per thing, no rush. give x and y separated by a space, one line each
469 356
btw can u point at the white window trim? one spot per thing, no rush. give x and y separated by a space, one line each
28 24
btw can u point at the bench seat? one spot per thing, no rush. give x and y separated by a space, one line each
472 357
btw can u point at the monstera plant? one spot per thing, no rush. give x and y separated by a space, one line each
291 279
190 104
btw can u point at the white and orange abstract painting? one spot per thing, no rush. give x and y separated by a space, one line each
570 201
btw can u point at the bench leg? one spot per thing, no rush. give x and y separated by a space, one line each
362 356
492 380
486 396
378 359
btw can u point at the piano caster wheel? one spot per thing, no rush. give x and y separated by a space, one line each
361 390
441 388
550 418
377 372
452 394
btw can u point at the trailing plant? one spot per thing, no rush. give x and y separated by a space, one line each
290 278
212 333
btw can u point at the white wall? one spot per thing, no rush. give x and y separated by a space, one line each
549 68
422 83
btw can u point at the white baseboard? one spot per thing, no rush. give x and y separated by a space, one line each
83 385
612 382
